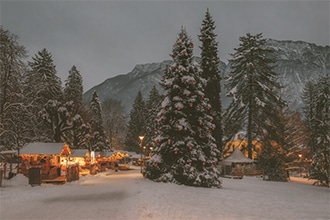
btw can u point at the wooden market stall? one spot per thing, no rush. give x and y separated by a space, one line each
51 158
82 158
121 158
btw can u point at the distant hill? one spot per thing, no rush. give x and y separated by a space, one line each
297 63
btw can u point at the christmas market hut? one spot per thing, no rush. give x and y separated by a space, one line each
51 158
121 158
235 165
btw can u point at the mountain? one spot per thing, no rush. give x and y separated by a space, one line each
297 62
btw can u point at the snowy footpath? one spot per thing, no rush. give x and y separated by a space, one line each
127 195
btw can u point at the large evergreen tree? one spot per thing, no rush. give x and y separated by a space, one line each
73 90
137 124
320 168
211 72
42 84
256 105
308 98
186 152
152 108
97 140
79 132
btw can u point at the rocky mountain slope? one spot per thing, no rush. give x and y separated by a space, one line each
297 63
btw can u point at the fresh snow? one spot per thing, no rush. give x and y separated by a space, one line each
127 195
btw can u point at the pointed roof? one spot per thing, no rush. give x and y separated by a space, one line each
237 157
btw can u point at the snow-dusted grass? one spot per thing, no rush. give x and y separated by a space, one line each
127 195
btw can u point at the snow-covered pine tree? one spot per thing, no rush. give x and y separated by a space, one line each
42 84
256 103
97 140
78 135
186 152
211 72
152 107
73 90
320 167
136 124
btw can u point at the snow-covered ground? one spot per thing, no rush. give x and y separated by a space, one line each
127 195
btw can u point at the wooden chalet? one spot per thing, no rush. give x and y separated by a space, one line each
51 158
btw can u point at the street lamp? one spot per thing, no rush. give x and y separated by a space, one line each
300 155
141 139
151 148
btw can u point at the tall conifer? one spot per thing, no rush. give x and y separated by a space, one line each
211 72
73 90
186 152
320 168
256 104
42 84
98 140
136 124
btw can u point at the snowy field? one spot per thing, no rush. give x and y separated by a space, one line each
127 195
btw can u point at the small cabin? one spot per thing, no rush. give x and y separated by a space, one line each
50 157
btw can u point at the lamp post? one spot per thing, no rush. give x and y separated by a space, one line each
151 148
300 155
141 139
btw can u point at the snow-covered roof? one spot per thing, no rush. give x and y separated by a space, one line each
8 152
134 155
78 152
42 148
236 157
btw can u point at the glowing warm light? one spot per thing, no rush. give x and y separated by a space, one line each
141 138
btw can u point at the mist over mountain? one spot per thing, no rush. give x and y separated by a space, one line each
297 62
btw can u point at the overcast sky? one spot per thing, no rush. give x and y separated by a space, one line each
108 38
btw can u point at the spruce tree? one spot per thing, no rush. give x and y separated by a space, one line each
211 72
73 90
186 152
256 105
72 93
152 109
320 167
97 140
42 84
136 124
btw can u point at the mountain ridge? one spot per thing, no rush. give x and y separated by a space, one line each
296 63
